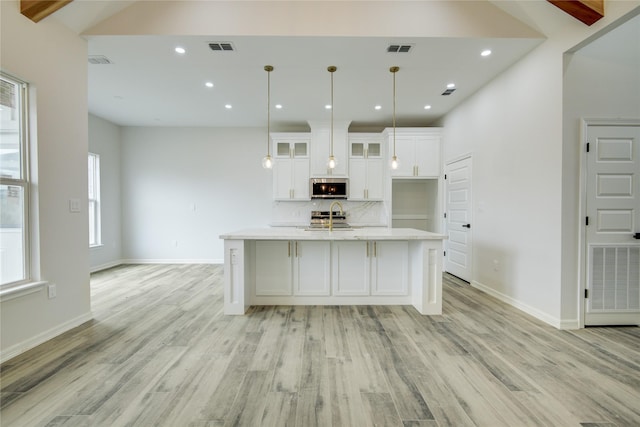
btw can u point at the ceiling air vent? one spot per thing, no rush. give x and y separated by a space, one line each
448 92
399 48
99 60
222 47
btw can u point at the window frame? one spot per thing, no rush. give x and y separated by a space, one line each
94 204
24 181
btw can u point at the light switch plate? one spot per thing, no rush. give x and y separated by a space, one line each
74 205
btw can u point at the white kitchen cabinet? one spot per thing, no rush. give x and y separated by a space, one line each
366 168
321 147
311 268
274 273
291 166
286 267
418 152
370 268
389 267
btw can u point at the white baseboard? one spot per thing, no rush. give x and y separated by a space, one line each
45 336
111 264
532 311
172 261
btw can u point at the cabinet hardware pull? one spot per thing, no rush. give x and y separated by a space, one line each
375 249
289 249
296 249
367 249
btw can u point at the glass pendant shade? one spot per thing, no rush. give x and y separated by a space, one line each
267 162
332 162
395 162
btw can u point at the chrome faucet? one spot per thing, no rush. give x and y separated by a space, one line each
331 213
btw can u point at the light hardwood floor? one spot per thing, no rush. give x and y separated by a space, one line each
161 352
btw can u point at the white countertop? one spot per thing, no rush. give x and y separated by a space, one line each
365 233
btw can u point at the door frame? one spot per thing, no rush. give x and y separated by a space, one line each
583 257
443 201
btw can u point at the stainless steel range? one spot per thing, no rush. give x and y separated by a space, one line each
320 220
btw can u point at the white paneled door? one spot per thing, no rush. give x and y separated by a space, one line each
613 225
458 219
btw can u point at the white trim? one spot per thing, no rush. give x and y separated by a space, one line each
582 203
11 292
532 311
172 261
45 336
105 266
458 158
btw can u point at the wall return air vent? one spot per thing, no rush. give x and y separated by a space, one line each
222 46
99 60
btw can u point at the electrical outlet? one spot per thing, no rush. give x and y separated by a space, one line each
51 288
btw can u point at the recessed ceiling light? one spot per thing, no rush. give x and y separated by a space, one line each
228 106
208 84
180 50
279 106
327 107
451 85
485 52
427 107
378 107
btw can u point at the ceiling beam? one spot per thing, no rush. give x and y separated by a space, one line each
37 10
587 11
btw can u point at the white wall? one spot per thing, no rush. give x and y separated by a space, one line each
183 187
104 139
514 129
54 61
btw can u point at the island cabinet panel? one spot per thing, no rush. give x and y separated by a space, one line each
273 267
350 268
312 268
285 267
370 268
390 268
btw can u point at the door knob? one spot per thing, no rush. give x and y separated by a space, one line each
469 226
636 236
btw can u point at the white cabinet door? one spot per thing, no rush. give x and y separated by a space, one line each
282 175
418 152
427 156
312 267
406 153
390 268
300 180
366 174
321 147
375 179
350 268
357 179
273 267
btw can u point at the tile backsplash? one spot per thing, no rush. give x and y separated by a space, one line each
298 213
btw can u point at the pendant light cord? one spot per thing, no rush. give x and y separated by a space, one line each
394 70
331 70
268 69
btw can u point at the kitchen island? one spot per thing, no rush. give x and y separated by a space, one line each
360 266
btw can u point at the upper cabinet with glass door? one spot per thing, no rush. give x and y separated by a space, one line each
366 171
291 166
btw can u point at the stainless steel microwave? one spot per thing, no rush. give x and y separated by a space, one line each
329 188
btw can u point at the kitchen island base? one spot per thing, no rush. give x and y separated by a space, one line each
355 267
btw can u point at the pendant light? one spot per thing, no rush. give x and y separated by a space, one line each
394 159
267 161
331 163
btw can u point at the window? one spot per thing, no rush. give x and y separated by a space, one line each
14 182
94 200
